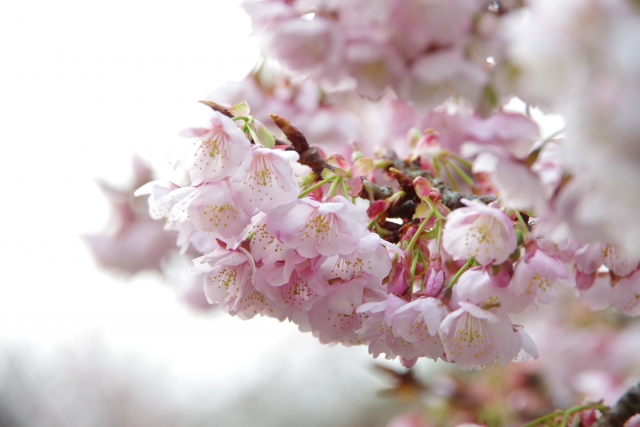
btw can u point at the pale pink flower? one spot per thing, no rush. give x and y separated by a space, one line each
474 338
306 46
529 349
212 208
220 150
479 231
374 329
597 296
619 262
536 273
625 295
418 322
475 285
265 180
370 257
314 228
289 290
132 241
333 318
227 282
159 204
265 246
378 333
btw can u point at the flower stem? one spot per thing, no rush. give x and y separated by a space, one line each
599 406
414 264
432 205
425 266
413 241
436 167
466 178
334 187
345 191
316 186
454 184
525 229
461 271
467 163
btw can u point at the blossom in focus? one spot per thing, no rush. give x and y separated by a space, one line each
474 338
265 180
314 228
479 231
220 149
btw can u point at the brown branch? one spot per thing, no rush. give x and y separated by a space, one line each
308 155
623 410
217 107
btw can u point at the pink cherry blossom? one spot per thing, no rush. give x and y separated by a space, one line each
333 318
474 338
625 295
537 273
289 290
479 231
314 228
220 150
597 296
370 257
211 208
265 180
377 331
475 285
228 282
418 322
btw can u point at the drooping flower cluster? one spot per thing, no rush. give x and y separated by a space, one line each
288 240
460 217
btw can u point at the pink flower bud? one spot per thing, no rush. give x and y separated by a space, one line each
500 275
399 279
434 283
422 187
585 280
376 208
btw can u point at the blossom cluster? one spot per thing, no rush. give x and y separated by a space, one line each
288 240
414 230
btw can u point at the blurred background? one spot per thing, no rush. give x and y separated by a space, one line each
86 84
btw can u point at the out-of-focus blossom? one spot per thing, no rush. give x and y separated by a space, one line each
133 240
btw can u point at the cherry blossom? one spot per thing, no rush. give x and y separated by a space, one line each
314 228
219 151
227 282
264 179
474 337
536 273
479 231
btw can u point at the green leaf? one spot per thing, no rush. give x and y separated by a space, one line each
422 211
262 134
